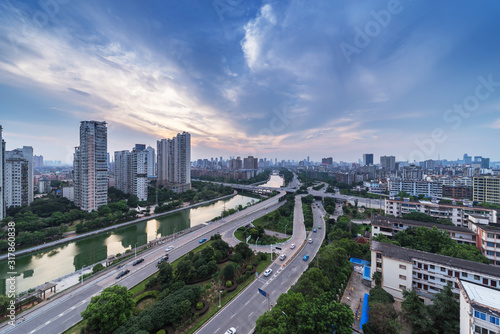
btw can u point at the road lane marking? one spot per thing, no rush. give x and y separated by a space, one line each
250 315
217 330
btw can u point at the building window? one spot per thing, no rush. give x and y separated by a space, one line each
493 283
433 267
443 269
379 256
443 280
479 315
464 274
490 244
402 266
490 253
432 277
491 235
402 287
494 320
476 277
403 277
379 265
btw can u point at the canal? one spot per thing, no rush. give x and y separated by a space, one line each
275 181
51 263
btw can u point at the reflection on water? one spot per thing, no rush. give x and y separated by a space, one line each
49 264
275 181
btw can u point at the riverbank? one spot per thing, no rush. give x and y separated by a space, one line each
111 228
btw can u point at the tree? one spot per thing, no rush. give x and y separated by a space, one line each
419 216
312 283
377 277
133 201
325 315
4 303
228 272
416 313
383 319
112 308
445 311
244 250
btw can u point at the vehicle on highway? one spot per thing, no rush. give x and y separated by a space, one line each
203 240
165 258
231 330
283 257
314 230
292 246
319 227
136 262
310 241
268 272
306 257
123 273
169 249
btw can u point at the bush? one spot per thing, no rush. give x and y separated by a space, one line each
241 279
97 268
161 331
249 267
229 284
199 306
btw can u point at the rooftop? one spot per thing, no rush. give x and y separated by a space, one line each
482 295
387 221
408 255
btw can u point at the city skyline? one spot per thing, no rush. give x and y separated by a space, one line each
278 80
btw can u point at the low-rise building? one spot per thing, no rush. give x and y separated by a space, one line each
455 213
390 226
479 309
415 187
426 273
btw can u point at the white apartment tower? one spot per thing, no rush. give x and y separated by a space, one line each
90 166
18 176
131 172
174 162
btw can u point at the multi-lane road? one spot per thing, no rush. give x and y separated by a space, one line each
62 312
243 311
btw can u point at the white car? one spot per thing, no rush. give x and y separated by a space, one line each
169 249
292 246
268 272
231 330
283 257
310 241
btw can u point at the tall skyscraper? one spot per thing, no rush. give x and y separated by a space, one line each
18 177
485 163
174 162
388 162
2 152
367 159
151 161
90 166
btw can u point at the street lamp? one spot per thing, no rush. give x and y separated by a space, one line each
285 230
135 250
220 291
174 233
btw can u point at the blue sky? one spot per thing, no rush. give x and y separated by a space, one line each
285 79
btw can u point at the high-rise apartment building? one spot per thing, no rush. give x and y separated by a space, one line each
151 161
367 159
235 164
18 177
2 152
37 161
174 162
388 162
90 166
486 189
122 170
131 172
327 161
250 163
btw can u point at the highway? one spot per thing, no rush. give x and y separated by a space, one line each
63 311
244 310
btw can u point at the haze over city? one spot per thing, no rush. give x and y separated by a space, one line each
273 79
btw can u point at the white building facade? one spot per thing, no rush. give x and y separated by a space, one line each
479 309
456 213
174 162
90 166
18 177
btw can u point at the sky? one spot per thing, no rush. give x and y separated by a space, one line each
276 79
